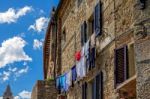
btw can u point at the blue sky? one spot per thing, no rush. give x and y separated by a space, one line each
22 31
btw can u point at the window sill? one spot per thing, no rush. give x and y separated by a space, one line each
128 86
90 74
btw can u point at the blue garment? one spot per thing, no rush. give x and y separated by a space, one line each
57 83
63 82
74 73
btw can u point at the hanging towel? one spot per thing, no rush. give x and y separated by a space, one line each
68 80
81 68
87 54
78 66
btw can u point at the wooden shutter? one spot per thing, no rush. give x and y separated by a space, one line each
121 65
98 19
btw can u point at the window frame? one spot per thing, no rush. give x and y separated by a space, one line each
125 65
98 19
84 32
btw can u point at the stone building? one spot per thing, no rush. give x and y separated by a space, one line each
111 40
45 89
8 94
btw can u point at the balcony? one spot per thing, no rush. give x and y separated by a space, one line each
127 89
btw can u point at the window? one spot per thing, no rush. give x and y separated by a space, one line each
124 63
95 87
90 26
99 86
83 33
89 90
121 65
98 19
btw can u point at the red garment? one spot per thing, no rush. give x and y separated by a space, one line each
78 55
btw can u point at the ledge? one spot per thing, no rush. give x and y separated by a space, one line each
128 86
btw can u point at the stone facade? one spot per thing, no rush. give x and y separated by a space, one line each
142 52
44 90
124 22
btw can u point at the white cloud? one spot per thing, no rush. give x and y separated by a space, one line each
37 44
12 51
12 69
16 97
1 97
6 75
22 71
12 15
25 95
39 25
13 72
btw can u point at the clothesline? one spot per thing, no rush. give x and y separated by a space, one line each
85 60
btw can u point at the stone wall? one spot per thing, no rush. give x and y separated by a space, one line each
121 26
113 15
44 90
142 52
